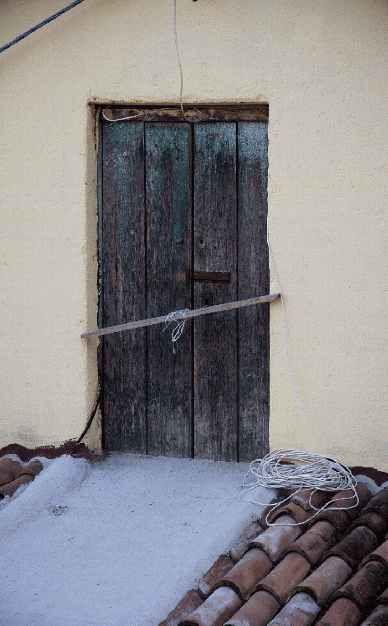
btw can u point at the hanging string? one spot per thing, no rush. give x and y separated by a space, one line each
294 469
180 325
287 355
120 119
179 61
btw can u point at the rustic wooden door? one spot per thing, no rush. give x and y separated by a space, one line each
183 225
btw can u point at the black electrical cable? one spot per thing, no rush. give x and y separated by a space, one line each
88 425
34 28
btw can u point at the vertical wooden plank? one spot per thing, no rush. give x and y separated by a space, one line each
168 258
215 343
122 295
253 279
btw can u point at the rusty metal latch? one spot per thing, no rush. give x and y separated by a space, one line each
208 277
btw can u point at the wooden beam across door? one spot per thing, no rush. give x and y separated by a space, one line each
179 315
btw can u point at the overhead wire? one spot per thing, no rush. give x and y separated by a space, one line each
34 28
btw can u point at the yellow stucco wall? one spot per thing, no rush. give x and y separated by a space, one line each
322 67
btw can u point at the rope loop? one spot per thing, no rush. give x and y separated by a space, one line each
180 324
301 471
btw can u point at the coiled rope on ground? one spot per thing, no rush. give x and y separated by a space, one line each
301 471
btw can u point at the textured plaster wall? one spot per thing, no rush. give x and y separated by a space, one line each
322 67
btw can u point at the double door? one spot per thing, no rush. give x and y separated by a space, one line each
182 226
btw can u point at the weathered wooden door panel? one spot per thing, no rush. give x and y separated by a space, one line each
168 199
180 199
253 278
215 336
123 280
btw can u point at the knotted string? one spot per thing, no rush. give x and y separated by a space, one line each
180 325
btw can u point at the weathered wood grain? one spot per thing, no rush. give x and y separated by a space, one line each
158 254
215 336
168 257
253 277
122 288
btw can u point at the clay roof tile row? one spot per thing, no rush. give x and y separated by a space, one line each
13 475
330 571
276 539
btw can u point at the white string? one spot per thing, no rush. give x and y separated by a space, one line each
120 119
286 345
180 72
180 325
179 61
294 469
301 471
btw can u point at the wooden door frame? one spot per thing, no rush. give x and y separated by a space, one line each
192 114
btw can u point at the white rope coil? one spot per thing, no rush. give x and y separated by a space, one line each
301 471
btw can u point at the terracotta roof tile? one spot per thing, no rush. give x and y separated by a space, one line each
325 530
326 580
311 546
355 546
276 539
318 498
315 542
376 522
343 612
301 610
298 513
282 495
208 582
8 470
13 475
379 617
258 611
216 610
383 599
241 546
32 469
285 576
248 572
304 575
338 517
381 555
378 503
366 585
346 498
10 488
187 605
296 505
